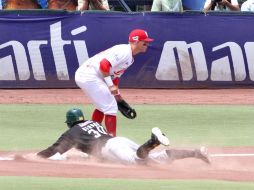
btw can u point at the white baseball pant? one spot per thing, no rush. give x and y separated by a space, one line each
123 150
97 90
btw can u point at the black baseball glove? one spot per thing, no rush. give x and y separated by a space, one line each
126 109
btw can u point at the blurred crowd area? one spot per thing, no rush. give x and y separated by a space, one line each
70 5
117 5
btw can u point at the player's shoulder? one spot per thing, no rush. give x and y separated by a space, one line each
122 50
120 47
87 123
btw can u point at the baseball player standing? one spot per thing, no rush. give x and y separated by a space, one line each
90 137
99 76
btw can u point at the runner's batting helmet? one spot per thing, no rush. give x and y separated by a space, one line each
74 116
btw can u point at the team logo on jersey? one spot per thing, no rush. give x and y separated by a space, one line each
119 72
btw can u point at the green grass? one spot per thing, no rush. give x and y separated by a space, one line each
36 126
35 183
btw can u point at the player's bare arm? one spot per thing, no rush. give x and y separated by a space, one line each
208 6
98 5
229 5
83 5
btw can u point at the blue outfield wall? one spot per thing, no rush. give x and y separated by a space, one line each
41 49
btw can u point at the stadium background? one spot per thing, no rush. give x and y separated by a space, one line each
221 118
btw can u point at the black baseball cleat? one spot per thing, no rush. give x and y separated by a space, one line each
159 137
202 154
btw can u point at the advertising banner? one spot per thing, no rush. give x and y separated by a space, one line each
44 49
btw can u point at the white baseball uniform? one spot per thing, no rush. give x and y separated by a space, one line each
123 150
89 78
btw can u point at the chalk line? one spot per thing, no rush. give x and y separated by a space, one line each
2 158
231 155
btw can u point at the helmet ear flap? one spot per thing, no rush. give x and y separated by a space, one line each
73 116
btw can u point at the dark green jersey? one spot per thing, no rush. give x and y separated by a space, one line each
88 136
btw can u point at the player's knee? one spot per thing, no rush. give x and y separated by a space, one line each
113 113
112 110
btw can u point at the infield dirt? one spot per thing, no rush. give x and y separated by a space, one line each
240 168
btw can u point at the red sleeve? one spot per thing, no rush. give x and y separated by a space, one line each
105 66
116 81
